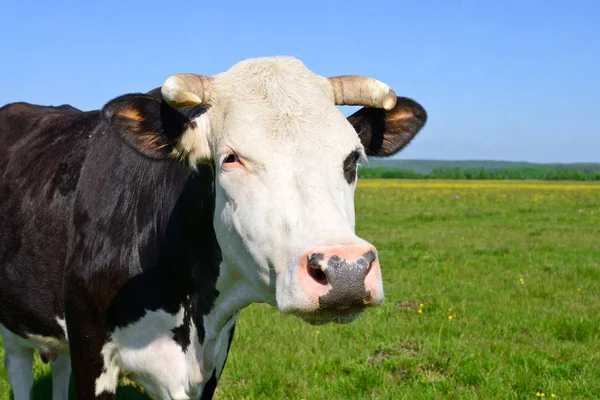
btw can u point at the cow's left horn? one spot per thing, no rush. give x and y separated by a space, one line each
186 90
351 90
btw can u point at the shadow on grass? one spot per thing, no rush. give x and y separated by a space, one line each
42 390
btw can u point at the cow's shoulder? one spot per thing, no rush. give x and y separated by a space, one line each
44 148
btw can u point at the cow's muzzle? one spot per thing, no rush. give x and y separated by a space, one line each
342 280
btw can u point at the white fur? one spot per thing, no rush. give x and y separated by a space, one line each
194 144
292 196
146 352
279 118
63 324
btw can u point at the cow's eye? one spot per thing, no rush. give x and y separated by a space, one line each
231 161
350 166
230 158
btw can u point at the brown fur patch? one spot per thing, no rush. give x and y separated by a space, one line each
131 114
400 115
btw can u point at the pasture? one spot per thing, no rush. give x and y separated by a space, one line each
492 291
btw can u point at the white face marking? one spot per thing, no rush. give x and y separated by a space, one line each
290 195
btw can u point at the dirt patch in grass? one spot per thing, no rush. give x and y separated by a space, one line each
410 304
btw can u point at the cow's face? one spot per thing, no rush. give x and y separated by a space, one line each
285 162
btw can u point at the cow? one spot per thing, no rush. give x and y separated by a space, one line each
132 236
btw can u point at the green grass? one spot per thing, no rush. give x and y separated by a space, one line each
427 166
517 267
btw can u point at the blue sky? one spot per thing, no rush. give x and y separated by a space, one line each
509 80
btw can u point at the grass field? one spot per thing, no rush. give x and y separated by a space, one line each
492 292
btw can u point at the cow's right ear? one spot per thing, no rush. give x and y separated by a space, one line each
157 130
385 132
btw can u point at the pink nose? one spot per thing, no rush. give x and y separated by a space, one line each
341 277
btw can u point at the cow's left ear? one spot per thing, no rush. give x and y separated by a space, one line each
155 129
384 133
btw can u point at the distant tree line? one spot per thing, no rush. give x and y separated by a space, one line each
459 173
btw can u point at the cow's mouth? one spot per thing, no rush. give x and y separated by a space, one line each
337 315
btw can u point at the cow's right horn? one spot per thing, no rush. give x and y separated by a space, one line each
186 90
352 90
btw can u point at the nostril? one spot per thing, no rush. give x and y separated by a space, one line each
317 274
314 268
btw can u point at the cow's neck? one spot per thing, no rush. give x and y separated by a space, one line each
193 276
175 263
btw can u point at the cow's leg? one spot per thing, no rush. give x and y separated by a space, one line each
90 379
61 372
86 339
18 361
89 376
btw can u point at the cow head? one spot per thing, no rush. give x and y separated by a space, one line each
285 162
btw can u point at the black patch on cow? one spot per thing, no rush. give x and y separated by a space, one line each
347 281
87 334
350 166
185 270
181 333
152 231
42 150
86 218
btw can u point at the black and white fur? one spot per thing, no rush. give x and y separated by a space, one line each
109 252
